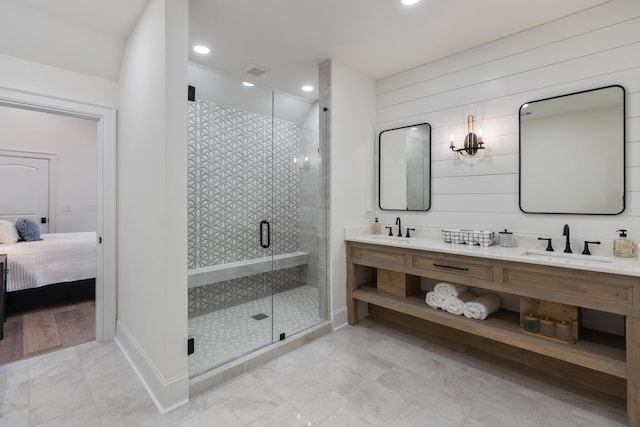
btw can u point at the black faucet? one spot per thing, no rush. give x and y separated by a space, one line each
399 224
565 232
549 246
586 247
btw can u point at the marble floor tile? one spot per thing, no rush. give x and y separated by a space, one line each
284 415
367 375
247 399
51 396
83 417
215 415
421 415
373 398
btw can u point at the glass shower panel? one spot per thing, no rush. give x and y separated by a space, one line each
299 218
230 230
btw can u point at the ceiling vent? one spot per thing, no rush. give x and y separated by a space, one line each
256 70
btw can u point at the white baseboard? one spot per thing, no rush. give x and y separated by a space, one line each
339 317
167 394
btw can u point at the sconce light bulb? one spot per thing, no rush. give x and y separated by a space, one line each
480 135
451 139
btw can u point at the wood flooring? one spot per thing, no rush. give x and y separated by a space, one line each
35 332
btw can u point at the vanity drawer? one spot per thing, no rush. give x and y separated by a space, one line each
583 289
453 265
368 255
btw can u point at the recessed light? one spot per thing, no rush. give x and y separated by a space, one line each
201 49
248 84
307 88
409 2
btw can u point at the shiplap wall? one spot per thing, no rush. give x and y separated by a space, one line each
593 48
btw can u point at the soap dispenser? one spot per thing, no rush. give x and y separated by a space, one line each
623 247
375 227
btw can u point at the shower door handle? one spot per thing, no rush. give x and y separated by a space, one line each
262 224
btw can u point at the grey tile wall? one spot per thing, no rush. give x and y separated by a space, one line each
240 172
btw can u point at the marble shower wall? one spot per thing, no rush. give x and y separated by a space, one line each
240 172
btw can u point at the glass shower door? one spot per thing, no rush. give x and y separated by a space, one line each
299 218
230 248
257 219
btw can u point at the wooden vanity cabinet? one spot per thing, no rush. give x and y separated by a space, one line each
606 292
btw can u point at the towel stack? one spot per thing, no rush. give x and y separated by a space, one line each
482 306
457 299
449 297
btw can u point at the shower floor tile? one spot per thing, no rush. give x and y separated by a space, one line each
227 334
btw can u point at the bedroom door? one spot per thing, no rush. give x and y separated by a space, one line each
26 189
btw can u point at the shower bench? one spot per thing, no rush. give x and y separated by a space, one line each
248 267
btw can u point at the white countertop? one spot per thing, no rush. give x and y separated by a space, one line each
525 253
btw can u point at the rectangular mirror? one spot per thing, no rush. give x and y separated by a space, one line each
404 180
572 154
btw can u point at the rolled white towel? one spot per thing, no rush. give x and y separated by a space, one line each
454 304
481 307
434 300
446 290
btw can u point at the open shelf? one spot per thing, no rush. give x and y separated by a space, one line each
593 350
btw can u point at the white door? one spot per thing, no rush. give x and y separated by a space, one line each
25 190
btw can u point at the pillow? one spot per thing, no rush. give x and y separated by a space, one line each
8 232
28 229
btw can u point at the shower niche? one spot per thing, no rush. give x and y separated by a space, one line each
256 219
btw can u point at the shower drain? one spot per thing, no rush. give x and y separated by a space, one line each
260 316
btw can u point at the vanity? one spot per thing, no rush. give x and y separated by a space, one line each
611 287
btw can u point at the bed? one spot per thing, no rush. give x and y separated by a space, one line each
60 267
57 258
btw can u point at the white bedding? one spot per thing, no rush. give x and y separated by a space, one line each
57 258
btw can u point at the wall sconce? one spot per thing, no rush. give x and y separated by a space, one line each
472 142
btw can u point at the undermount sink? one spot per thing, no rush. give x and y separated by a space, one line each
392 239
563 258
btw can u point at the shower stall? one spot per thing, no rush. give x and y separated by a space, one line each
257 219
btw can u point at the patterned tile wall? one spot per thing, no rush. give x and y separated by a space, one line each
238 177
205 299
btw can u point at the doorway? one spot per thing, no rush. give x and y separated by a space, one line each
50 299
105 205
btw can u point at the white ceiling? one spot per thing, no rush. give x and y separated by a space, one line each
289 37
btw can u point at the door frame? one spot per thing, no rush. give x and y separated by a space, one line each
53 177
105 197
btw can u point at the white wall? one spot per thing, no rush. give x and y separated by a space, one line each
152 201
352 119
74 142
31 77
594 48
34 34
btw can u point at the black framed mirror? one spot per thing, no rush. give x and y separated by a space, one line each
404 174
572 153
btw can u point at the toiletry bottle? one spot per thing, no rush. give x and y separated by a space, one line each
375 227
506 239
623 247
